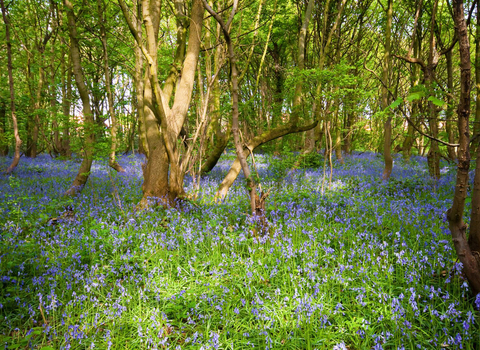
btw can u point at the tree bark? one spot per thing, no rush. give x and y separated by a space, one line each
476 125
414 80
18 141
3 119
88 122
449 125
112 161
64 141
433 155
467 256
257 141
387 146
251 183
165 169
282 130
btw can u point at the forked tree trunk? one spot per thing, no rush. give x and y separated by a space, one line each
88 122
165 168
18 141
112 161
467 252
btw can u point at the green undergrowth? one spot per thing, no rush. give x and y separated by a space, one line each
362 265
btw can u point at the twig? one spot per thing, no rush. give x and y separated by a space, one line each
406 116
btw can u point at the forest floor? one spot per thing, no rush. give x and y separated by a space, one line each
360 265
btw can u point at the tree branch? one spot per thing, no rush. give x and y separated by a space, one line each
405 114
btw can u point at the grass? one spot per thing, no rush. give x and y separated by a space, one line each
364 265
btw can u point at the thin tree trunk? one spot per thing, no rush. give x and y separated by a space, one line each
449 125
3 119
387 146
324 46
216 138
298 97
112 162
139 88
251 184
257 141
410 138
53 104
467 256
18 141
476 125
433 155
337 119
64 145
88 122
32 149
279 131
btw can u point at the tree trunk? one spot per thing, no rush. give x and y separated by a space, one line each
64 142
3 120
216 138
282 130
257 141
410 137
88 122
476 125
18 141
251 183
112 162
165 169
449 125
34 120
53 103
139 88
387 146
467 254
216 152
433 155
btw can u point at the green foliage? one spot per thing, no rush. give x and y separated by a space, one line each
332 265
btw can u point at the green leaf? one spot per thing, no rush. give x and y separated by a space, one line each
48 347
415 96
396 103
436 101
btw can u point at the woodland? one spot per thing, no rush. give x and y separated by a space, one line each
233 174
